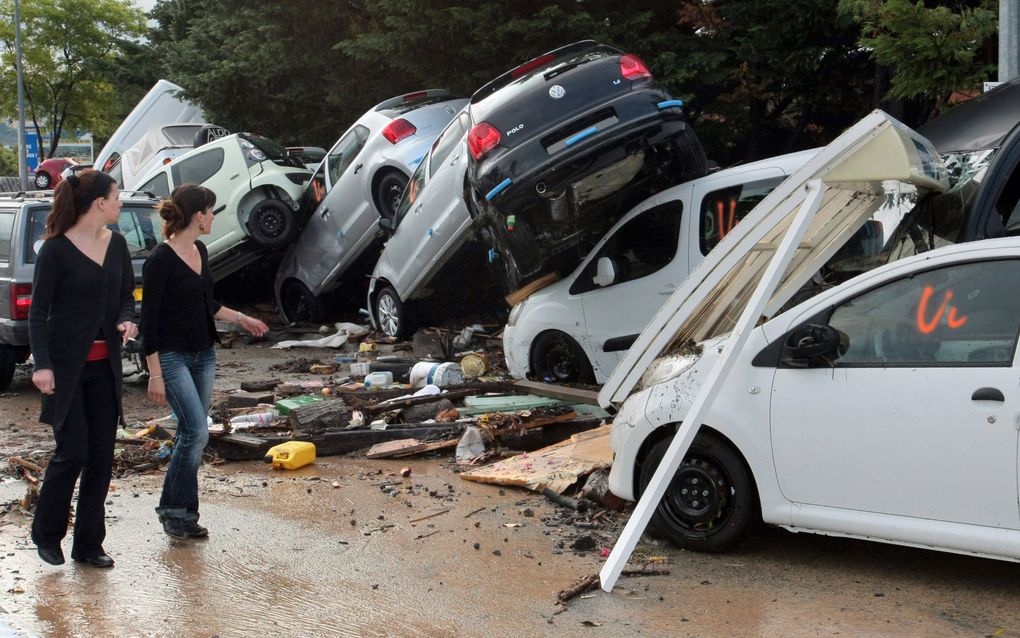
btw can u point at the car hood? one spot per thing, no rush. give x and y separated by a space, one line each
873 158
977 124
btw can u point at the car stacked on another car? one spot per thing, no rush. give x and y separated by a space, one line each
160 145
259 190
360 181
22 220
564 145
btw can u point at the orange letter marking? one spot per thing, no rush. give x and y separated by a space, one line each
927 327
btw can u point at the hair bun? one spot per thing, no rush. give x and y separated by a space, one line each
73 181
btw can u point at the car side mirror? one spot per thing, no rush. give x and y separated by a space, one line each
605 272
386 223
812 341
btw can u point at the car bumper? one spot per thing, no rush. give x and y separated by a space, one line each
630 429
13 333
515 352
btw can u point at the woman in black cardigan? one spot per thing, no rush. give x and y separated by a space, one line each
81 313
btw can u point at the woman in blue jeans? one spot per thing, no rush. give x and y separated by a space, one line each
178 334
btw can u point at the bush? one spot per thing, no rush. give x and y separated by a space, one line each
8 161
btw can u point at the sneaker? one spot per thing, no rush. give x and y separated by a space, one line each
175 529
194 530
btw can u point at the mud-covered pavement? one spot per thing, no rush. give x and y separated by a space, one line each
347 547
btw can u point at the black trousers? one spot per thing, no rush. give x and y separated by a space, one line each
84 447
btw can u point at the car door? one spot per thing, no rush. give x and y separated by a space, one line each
438 219
648 262
918 415
214 169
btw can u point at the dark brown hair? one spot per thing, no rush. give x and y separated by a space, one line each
184 202
73 197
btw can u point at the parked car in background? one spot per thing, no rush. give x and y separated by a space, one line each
22 220
361 179
50 172
73 169
432 221
258 190
160 145
565 144
160 106
310 156
577 329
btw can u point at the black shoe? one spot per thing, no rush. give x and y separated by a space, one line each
176 529
96 560
51 555
194 530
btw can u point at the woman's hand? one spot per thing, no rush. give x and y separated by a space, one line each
43 379
128 331
253 325
157 391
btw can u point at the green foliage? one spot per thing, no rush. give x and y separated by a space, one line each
933 49
8 161
65 47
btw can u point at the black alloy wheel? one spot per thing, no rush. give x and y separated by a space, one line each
557 358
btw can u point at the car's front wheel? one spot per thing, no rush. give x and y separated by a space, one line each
297 303
557 358
711 502
391 314
388 192
7 364
272 224
42 180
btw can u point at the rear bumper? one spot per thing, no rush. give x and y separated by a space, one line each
13 333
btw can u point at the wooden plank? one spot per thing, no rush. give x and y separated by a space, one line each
394 448
259 385
571 395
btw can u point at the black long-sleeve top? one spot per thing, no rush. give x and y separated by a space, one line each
74 302
177 303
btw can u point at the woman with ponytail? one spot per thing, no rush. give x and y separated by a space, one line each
81 314
178 334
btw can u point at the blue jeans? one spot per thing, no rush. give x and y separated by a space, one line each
188 379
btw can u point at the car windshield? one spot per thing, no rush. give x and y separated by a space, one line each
278 154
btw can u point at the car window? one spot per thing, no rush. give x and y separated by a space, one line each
446 142
141 229
965 314
344 153
414 186
158 186
722 209
197 168
6 234
117 172
640 247
36 225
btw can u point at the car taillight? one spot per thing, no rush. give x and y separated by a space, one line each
398 129
632 68
21 300
533 64
482 138
414 96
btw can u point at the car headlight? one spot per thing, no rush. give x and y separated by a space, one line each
515 314
256 154
667 368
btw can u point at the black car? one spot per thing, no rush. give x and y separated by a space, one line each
564 144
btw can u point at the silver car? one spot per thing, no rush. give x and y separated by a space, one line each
361 180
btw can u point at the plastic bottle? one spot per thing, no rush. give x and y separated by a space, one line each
254 419
379 379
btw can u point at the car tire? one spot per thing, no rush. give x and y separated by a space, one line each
703 522
391 314
388 192
7 364
42 180
272 224
557 358
297 303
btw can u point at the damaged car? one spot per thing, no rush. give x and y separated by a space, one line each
160 145
926 334
360 181
258 189
562 146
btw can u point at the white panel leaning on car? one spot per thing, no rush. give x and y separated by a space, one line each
803 433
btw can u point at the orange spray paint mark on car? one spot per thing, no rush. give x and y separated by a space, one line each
927 327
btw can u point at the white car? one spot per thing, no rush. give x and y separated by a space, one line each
160 145
576 329
883 408
432 221
360 181
258 188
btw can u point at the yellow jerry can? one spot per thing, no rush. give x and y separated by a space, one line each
291 455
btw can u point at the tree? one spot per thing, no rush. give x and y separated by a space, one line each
66 45
932 49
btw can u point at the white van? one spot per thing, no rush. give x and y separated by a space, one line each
161 105
160 145
577 329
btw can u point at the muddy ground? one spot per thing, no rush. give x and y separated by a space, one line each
325 551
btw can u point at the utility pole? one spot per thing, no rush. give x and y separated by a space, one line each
1009 39
22 174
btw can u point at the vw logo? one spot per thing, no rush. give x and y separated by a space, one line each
556 91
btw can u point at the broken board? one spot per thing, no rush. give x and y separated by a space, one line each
556 467
395 448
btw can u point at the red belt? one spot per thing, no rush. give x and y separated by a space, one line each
98 352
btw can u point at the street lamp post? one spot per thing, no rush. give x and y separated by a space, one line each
22 175
1009 40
